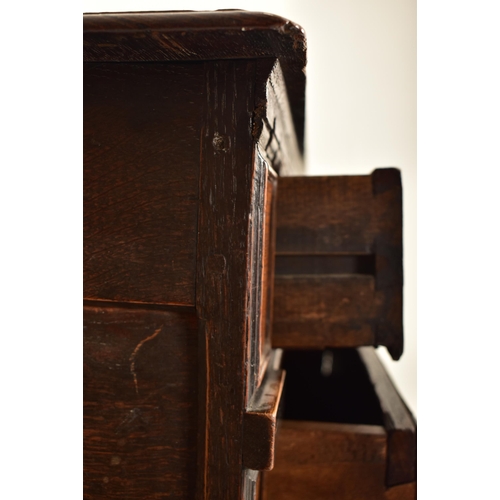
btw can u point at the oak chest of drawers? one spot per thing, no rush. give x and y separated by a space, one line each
206 253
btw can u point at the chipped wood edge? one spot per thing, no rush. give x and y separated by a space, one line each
260 419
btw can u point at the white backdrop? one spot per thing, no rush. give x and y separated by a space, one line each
360 107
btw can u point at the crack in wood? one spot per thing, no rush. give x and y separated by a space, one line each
133 356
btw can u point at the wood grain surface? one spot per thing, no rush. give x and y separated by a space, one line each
140 411
229 270
179 210
326 215
399 423
319 311
345 433
141 175
339 280
202 36
325 461
259 426
273 128
407 491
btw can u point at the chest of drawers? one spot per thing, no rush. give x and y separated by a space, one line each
193 140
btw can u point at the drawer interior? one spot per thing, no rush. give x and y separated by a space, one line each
329 386
344 431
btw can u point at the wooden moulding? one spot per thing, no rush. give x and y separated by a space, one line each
261 270
202 36
260 417
339 262
272 123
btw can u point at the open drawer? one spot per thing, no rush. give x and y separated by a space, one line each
339 262
344 433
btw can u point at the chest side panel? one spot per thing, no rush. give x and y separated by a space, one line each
141 171
140 411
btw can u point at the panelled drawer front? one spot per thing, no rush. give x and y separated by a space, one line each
345 433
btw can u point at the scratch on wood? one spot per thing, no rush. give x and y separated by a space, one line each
133 356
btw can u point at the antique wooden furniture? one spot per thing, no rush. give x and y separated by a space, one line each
339 262
345 432
193 131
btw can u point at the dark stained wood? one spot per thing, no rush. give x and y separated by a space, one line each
259 426
141 175
140 412
336 439
407 491
147 129
230 270
327 461
319 311
326 215
399 423
195 36
325 264
388 207
348 231
272 127
189 117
